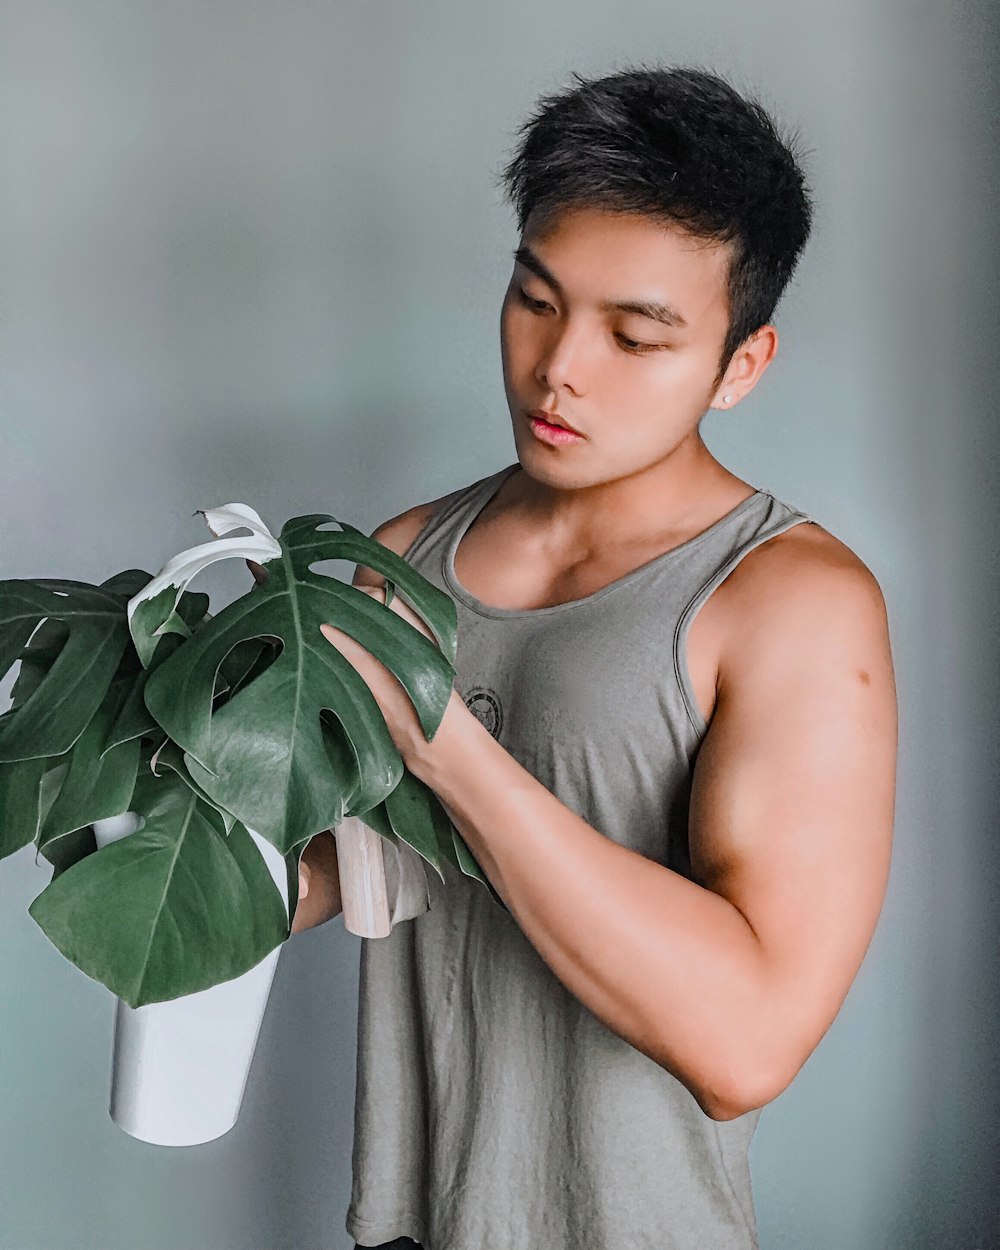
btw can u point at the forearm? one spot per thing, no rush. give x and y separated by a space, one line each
671 967
323 901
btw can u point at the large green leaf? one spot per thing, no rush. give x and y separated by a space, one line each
413 814
54 798
30 787
72 686
174 908
37 658
303 744
169 755
134 718
79 639
98 783
20 796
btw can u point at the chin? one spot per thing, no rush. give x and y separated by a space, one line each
549 470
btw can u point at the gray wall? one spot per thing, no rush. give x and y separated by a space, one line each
255 251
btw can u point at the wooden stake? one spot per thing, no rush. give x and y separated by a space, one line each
362 879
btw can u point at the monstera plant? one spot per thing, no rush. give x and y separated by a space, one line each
131 696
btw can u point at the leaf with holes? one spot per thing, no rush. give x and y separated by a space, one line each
79 643
303 743
69 741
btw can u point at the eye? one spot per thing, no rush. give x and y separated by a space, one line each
638 349
536 305
632 346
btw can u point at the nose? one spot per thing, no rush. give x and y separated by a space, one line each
562 362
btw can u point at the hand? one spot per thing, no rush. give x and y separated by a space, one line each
319 879
398 711
302 918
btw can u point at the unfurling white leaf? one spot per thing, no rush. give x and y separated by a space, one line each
151 612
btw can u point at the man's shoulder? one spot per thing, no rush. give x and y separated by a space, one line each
804 583
804 555
399 532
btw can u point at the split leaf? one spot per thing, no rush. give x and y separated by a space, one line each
302 743
79 643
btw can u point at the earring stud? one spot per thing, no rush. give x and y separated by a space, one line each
726 398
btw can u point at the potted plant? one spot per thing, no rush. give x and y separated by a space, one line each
216 747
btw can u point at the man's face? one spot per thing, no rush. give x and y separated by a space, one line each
635 386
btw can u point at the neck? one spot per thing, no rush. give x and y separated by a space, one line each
684 492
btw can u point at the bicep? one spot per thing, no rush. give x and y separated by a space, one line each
793 796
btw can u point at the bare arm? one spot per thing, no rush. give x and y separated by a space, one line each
728 980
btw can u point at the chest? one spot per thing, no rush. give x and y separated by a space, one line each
495 569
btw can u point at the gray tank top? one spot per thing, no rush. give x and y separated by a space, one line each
493 1110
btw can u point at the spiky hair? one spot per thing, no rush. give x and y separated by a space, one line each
681 145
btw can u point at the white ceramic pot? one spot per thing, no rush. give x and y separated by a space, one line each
180 1068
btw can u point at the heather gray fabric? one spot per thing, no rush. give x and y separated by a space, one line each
494 1111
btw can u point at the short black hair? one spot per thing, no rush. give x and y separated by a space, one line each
682 145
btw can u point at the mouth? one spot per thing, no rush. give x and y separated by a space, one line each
554 420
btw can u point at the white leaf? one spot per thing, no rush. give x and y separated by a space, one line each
154 621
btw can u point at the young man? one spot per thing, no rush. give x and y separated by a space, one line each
672 742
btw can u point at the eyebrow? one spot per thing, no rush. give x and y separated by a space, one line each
657 311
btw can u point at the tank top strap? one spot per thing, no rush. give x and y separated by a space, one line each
453 516
774 518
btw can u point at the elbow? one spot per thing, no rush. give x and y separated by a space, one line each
729 1109
728 1097
730 1079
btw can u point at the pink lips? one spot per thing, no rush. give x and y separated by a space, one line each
554 435
554 420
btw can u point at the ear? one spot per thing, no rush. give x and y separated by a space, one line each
747 367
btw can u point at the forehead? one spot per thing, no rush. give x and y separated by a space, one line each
598 255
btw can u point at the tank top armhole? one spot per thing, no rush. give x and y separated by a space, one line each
681 629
